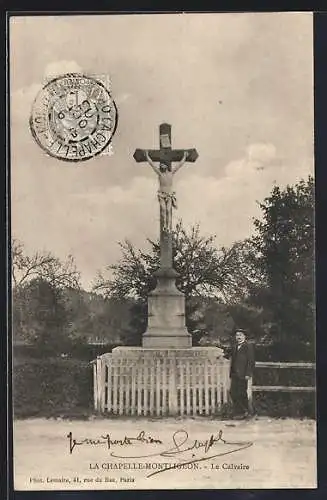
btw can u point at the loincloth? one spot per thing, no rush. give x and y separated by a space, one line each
163 196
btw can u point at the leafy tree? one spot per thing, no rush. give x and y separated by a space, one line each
209 319
105 319
285 244
42 318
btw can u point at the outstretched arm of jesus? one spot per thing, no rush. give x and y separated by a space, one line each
181 163
155 168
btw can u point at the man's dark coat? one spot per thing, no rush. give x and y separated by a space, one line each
242 361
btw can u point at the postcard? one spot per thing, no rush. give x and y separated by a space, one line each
162 221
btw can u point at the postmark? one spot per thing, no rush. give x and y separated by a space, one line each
74 117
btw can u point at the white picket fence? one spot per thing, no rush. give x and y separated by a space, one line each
160 385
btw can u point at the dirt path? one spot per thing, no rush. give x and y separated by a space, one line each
261 453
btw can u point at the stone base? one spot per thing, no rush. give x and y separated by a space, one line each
160 382
205 353
167 340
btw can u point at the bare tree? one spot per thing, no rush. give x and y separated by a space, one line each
42 265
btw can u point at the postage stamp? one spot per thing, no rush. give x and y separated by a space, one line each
73 117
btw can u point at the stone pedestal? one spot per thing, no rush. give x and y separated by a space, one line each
166 314
159 382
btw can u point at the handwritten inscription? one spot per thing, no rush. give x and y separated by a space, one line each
187 450
109 441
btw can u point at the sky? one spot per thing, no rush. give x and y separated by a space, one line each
237 87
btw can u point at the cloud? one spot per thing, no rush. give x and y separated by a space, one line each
261 152
226 206
21 103
257 156
22 99
57 68
120 98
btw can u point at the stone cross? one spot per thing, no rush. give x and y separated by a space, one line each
166 196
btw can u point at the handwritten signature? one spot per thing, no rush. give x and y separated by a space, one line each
109 442
195 450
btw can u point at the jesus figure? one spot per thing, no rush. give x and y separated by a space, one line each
166 195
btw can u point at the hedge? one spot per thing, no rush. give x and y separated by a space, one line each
52 387
285 404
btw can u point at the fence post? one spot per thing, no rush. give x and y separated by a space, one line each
250 394
158 378
172 395
99 383
95 386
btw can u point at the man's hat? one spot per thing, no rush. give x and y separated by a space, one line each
240 330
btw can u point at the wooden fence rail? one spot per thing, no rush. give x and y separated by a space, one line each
279 388
283 364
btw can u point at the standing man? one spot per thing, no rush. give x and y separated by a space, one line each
241 370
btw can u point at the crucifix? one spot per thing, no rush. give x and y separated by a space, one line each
166 195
